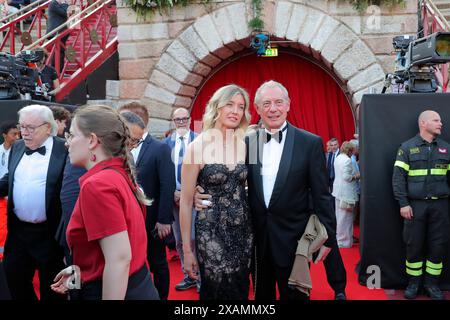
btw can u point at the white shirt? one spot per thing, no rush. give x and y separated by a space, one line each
4 155
30 179
135 151
270 164
176 151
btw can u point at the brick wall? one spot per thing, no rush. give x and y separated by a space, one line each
164 60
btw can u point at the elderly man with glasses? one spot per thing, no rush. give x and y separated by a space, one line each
178 142
33 185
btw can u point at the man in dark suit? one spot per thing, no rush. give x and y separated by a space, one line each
332 153
156 176
281 173
178 142
283 168
57 15
32 185
69 195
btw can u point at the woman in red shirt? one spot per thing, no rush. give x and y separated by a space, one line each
106 233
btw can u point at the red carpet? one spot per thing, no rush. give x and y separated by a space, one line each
321 289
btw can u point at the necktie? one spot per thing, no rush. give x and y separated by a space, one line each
278 136
330 160
180 159
40 150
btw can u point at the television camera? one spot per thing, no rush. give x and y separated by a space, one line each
416 61
19 75
260 42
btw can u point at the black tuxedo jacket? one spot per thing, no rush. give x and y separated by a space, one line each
301 172
156 176
53 184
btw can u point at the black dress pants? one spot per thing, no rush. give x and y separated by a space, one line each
157 260
268 275
29 247
335 269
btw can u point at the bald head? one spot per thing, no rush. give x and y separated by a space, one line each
430 124
427 115
181 120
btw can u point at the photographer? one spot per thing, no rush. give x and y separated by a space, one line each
48 77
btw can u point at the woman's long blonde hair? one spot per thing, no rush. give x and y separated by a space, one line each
110 128
219 99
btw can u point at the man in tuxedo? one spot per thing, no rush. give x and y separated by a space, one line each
32 185
156 176
283 168
178 142
332 153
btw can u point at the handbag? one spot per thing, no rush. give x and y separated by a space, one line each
348 206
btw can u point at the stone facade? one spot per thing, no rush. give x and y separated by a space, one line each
165 59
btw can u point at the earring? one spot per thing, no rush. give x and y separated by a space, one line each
93 158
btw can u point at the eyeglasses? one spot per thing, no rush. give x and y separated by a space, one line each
181 120
278 103
68 136
30 129
136 142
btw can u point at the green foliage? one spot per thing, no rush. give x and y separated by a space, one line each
361 5
145 8
256 23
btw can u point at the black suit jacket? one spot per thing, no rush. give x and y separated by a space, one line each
301 171
156 176
53 184
70 190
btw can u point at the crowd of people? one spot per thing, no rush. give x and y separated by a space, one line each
91 212
105 198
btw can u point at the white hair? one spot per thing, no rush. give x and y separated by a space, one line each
270 84
45 113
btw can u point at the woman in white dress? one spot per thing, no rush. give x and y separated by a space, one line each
345 194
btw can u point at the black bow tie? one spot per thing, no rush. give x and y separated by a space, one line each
278 136
41 150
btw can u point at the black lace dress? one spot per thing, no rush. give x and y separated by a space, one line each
224 237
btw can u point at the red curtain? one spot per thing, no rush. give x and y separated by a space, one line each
318 104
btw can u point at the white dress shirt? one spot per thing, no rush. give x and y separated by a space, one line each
270 164
176 151
30 179
4 155
135 151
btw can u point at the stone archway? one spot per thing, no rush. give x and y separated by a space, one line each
219 35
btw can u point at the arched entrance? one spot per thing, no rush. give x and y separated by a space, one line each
318 103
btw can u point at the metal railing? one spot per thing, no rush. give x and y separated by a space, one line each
85 41
12 26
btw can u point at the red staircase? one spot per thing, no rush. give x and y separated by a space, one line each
91 38
12 27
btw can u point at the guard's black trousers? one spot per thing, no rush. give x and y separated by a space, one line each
426 237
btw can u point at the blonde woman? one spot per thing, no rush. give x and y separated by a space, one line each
215 160
346 194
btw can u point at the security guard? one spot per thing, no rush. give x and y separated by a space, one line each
421 186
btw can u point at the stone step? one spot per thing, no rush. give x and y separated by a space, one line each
442 4
446 13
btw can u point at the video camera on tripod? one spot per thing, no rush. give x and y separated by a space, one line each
18 76
416 62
